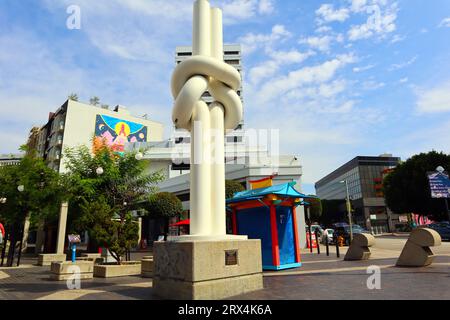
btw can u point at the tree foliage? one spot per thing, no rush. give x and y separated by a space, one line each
232 187
164 205
407 188
315 209
101 202
42 192
38 199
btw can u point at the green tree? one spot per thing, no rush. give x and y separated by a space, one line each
38 198
315 209
232 187
333 211
407 188
101 201
164 205
95 101
73 97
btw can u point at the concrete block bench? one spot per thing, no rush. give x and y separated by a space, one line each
359 248
417 252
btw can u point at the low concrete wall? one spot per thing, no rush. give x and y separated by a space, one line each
132 268
47 259
147 264
65 270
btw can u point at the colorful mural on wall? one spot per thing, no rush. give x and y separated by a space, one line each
116 132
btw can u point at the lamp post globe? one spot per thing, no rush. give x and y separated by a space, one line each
440 169
21 188
99 171
139 156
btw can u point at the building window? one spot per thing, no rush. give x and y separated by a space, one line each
234 61
184 54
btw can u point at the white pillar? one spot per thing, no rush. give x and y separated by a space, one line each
201 44
62 228
200 171
217 136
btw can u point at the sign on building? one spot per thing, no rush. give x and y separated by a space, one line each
439 184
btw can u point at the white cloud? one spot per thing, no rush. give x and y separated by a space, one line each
236 10
362 69
381 21
251 42
278 59
372 85
445 23
398 66
266 6
327 13
434 100
294 80
358 5
323 29
404 80
319 43
397 38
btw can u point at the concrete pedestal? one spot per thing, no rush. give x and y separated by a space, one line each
64 270
207 270
47 259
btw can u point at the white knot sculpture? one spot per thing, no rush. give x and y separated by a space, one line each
206 71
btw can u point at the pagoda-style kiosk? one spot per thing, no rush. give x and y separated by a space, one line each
269 214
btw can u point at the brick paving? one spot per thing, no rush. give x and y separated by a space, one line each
320 277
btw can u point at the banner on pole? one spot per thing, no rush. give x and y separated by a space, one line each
439 184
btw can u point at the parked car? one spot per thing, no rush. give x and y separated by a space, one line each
315 227
443 228
327 233
344 231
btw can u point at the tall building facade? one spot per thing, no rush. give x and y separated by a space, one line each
364 175
76 124
232 56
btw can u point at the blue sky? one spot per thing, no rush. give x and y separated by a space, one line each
337 78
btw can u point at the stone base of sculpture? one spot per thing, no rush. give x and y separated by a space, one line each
207 270
417 252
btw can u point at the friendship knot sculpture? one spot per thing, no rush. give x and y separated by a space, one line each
206 71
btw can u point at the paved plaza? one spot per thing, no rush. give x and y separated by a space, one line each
321 277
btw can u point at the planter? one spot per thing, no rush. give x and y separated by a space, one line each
96 257
65 270
132 268
147 267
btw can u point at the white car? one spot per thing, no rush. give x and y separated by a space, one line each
327 233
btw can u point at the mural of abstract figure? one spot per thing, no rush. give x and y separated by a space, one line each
115 133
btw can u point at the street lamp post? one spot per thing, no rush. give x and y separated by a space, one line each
349 209
442 170
21 189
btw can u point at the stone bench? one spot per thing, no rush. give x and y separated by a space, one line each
65 270
417 252
359 248
147 265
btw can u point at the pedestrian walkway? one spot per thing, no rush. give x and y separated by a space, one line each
320 277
